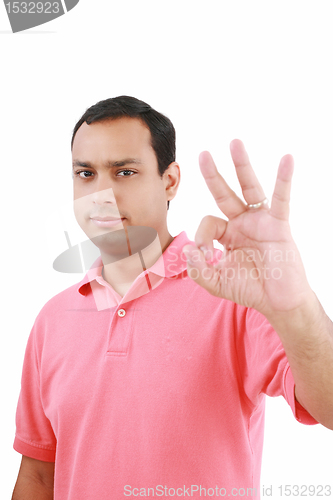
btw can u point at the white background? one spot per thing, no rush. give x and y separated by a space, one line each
260 71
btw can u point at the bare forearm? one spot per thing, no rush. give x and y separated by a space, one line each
31 489
307 337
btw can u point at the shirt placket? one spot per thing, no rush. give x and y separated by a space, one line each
120 330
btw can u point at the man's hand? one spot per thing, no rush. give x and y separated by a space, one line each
260 266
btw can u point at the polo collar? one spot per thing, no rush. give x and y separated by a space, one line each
170 264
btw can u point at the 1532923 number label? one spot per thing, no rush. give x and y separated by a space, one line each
304 490
33 7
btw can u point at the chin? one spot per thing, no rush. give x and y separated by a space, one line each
111 242
120 240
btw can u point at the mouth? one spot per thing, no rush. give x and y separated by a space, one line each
106 221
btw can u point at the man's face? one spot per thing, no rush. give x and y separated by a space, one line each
116 180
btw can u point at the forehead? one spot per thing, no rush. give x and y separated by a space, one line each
118 136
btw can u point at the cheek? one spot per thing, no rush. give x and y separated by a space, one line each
154 206
80 206
77 197
155 193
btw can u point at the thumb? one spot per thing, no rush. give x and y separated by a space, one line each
198 269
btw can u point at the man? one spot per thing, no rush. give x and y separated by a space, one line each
137 381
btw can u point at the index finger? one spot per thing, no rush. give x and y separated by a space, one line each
226 199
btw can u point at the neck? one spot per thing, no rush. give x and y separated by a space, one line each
120 274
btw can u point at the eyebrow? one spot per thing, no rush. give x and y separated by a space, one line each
109 163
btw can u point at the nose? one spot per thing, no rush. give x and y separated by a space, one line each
102 196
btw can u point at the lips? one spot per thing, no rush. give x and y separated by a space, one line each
106 218
106 221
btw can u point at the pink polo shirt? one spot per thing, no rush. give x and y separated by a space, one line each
159 395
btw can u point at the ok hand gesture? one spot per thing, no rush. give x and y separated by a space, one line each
260 266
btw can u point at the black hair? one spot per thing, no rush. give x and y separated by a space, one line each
163 135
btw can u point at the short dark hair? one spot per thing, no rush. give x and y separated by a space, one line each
162 131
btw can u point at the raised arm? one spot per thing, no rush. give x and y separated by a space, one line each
261 268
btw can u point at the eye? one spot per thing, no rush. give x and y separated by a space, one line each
79 172
125 170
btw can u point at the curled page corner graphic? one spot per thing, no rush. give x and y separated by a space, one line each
76 259
70 4
25 15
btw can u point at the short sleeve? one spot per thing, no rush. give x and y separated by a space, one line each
266 367
299 412
34 435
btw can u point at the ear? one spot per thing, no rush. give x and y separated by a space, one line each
171 179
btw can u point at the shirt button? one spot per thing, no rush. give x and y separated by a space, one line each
121 312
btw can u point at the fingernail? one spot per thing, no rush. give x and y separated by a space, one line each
207 253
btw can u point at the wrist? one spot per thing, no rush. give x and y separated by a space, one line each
304 318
